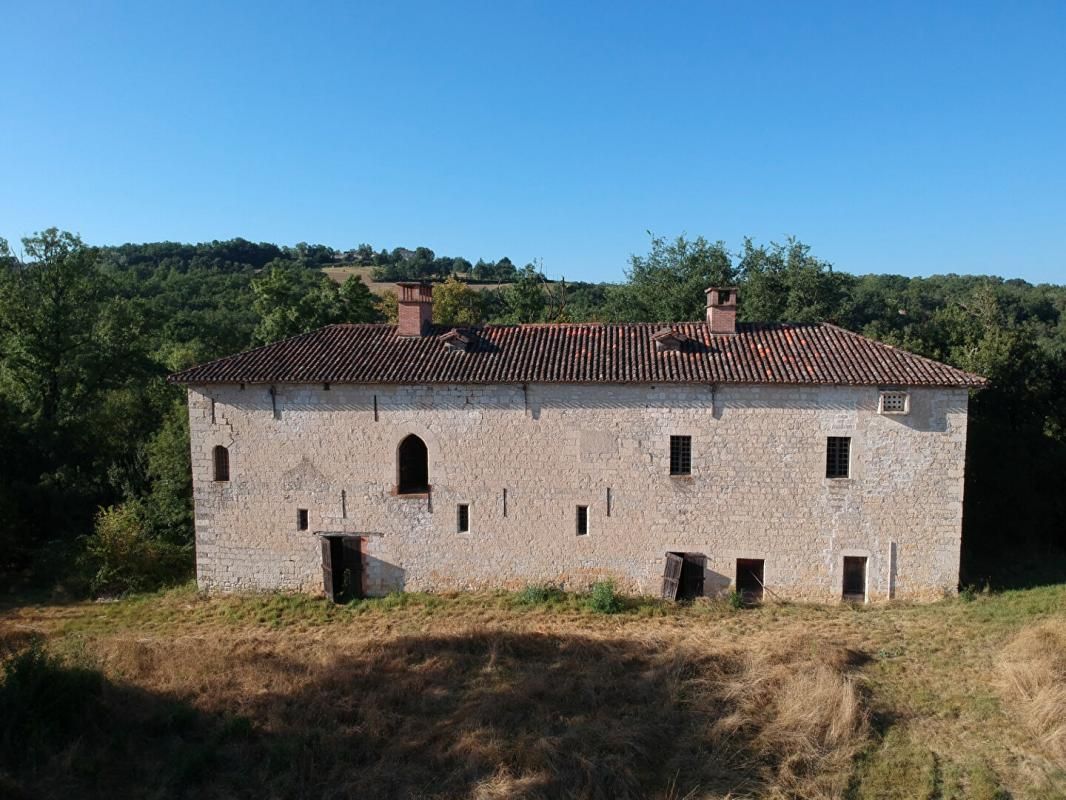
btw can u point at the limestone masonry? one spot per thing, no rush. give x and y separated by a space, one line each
523 457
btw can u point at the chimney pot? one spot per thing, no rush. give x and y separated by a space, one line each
415 309
722 309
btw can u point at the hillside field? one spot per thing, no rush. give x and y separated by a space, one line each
533 695
341 273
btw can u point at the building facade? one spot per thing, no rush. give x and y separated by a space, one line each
799 461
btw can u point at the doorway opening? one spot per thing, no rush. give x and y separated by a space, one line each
342 567
683 576
750 579
855 579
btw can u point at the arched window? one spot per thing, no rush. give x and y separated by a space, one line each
412 466
221 463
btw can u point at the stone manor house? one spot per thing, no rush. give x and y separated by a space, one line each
799 460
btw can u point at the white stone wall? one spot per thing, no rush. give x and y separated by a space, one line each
757 490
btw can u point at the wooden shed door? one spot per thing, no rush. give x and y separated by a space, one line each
342 567
672 575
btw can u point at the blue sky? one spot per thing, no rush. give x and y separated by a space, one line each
913 138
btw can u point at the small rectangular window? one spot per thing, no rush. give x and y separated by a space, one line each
463 518
837 456
894 403
582 520
301 519
680 455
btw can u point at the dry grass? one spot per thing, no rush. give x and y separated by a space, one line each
483 696
1033 669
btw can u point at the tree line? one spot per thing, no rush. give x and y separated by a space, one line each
95 491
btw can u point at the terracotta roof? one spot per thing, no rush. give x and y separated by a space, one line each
581 353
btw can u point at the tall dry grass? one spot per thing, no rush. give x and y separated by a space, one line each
1032 670
485 714
798 713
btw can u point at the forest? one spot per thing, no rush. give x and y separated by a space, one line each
95 494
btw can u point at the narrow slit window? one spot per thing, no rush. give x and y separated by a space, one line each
582 520
837 456
221 458
301 519
463 518
680 455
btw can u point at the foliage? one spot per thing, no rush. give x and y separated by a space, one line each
667 284
290 300
455 303
121 555
41 702
540 594
604 598
87 336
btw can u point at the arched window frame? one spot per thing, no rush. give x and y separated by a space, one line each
412 478
220 464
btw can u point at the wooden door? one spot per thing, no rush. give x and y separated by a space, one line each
352 560
327 568
672 575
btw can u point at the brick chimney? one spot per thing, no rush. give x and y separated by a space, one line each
415 309
722 309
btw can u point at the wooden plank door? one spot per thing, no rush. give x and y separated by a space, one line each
327 568
352 559
672 575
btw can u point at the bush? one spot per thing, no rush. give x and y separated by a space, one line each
120 556
604 598
41 701
736 600
539 594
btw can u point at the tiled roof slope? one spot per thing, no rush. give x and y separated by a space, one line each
582 353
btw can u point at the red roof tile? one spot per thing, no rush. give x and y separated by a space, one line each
582 353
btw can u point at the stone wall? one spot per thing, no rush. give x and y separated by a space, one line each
757 490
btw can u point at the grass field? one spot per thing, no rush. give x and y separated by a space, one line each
533 695
340 274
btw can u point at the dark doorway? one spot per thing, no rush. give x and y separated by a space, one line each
855 578
413 466
683 576
342 568
750 579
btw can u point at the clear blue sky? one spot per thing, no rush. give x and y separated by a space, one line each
915 138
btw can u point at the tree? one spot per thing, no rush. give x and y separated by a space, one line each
49 307
524 298
668 284
455 303
786 283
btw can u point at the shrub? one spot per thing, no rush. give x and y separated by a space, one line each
604 598
735 599
41 701
120 556
539 594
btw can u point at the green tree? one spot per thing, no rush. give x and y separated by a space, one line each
786 283
668 284
49 307
524 299
455 303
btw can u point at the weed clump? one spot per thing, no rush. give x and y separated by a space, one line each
604 598
540 594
